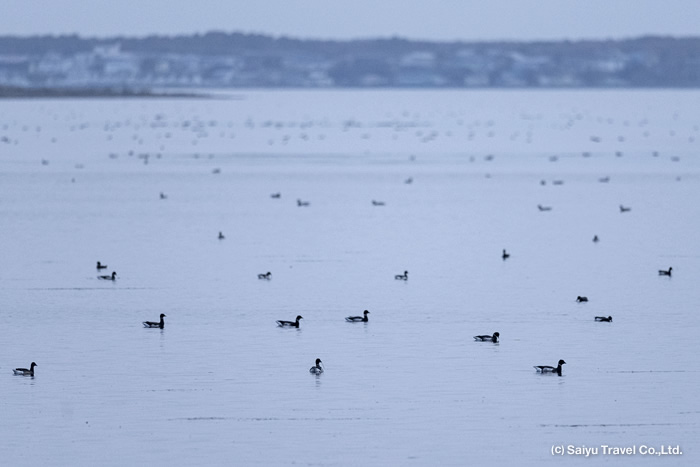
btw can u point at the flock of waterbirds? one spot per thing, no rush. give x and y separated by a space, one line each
317 369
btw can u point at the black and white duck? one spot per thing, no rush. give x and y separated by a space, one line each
550 369
112 277
293 324
356 319
487 338
25 371
155 324
316 369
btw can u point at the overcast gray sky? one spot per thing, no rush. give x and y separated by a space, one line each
344 19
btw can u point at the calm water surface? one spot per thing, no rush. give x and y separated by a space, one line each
80 181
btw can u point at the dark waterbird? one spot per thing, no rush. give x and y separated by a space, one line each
604 319
267 276
293 324
402 277
316 369
25 371
112 277
505 255
487 338
550 369
101 266
665 273
355 319
155 324
581 299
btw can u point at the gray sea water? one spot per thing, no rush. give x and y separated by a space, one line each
221 384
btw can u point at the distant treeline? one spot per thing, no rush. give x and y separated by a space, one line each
220 43
218 59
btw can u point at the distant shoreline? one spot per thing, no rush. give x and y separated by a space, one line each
16 92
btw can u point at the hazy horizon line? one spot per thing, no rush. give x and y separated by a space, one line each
357 39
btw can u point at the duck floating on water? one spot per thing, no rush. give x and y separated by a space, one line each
101 266
550 369
544 208
267 276
155 324
25 371
604 319
221 235
487 338
276 195
581 299
316 369
505 255
665 273
355 319
293 324
112 277
625 208
301 203
402 277
377 203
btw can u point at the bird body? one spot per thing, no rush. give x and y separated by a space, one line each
316 369
550 369
294 324
155 324
487 338
402 277
505 255
25 371
111 277
581 299
267 275
101 266
665 273
355 319
604 319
